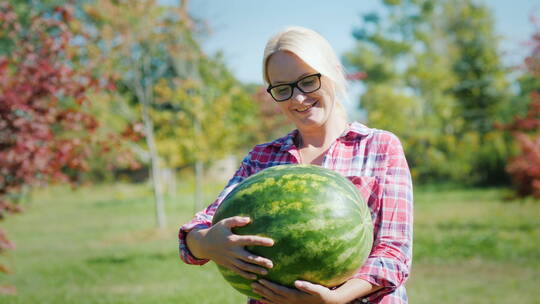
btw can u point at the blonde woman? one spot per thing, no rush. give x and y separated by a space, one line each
306 80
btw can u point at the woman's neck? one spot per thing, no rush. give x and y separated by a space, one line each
323 136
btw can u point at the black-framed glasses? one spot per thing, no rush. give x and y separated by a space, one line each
284 91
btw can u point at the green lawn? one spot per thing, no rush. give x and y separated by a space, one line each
98 245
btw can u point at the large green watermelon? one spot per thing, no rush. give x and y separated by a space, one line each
321 226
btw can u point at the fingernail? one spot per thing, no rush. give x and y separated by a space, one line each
264 272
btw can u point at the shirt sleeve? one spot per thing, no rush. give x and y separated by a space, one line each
203 219
389 262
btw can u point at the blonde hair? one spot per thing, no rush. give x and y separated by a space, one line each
315 51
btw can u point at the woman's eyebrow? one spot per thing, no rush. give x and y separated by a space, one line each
299 77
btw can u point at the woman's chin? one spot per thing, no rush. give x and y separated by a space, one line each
312 121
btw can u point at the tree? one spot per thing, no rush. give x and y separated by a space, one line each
190 105
525 166
425 58
202 117
134 40
45 129
482 90
273 123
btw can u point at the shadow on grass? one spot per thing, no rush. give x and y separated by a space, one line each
476 226
112 259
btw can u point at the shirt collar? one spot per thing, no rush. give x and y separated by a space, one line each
287 141
354 129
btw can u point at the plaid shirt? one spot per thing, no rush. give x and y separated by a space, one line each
374 161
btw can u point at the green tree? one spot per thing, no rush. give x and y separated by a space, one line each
192 109
482 91
437 62
202 117
136 43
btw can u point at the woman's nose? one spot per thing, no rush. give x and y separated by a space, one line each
298 95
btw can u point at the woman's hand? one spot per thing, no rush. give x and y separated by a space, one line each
306 293
225 248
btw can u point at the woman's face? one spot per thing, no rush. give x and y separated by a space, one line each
305 110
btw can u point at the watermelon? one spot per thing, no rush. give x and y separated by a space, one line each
321 226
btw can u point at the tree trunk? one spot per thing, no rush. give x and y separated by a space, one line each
143 86
169 181
198 169
154 164
198 185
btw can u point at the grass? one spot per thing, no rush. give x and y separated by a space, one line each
98 245
473 247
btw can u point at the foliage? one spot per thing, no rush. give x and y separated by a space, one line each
188 109
271 121
199 111
134 41
113 113
525 167
45 131
436 61
203 117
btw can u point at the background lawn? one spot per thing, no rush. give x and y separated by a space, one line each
98 245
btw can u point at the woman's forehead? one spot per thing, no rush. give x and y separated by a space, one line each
284 66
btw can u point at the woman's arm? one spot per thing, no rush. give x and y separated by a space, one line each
200 241
203 219
389 262
354 289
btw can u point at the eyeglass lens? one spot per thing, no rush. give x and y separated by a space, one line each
306 85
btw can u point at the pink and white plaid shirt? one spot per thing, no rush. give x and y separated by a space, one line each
374 161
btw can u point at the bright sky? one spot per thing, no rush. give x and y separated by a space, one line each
240 28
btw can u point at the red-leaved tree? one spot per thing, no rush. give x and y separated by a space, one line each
525 167
45 133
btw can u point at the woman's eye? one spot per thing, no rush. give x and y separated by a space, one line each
282 91
308 83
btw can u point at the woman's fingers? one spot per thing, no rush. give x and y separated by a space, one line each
229 249
269 295
255 259
254 240
250 267
310 287
242 273
235 221
276 289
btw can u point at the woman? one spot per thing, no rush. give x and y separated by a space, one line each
306 80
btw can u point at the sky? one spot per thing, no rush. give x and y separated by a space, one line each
240 28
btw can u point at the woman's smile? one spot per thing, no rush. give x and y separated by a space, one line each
305 108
